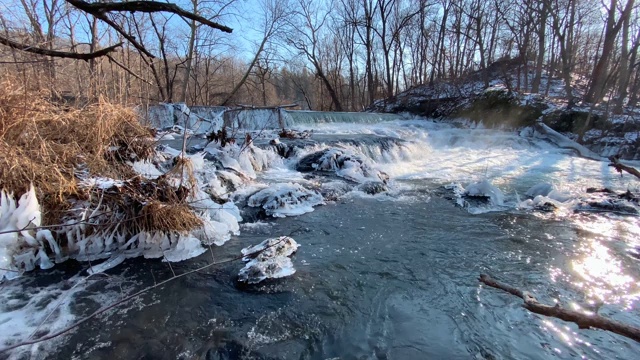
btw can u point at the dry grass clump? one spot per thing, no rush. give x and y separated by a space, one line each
49 146
154 205
167 218
44 143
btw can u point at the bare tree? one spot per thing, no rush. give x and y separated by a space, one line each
306 39
276 13
612 28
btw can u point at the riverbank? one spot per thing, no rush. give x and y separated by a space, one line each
500 105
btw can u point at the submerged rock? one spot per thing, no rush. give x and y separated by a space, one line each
334 190
268 260
609 205
373 187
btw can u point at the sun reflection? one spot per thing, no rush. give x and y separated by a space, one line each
603 275
570 337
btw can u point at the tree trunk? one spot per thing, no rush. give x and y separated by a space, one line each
599 75
542 27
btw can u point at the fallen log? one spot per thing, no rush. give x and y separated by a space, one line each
584 321
620 167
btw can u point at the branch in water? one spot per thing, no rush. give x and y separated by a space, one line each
615 162
584 321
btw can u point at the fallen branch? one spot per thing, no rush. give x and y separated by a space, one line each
615 162
584 321
59 54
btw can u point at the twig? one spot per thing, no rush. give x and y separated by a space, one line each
584 321
169 263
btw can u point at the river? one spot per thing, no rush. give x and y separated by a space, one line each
386 276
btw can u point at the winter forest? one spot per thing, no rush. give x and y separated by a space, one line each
319 179
324 55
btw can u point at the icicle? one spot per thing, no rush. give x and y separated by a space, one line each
44 234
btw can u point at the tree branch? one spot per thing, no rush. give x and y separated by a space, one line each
615 162
584 321
125 68
60 54
143 6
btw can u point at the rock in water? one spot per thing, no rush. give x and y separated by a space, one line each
486 190
281 200
373 187
268 260
348 165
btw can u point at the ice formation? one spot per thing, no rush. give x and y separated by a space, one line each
549 191
485 189
268 260
22 245
281 200
146 169
22 248
345 164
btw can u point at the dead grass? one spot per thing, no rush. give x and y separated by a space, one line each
49 145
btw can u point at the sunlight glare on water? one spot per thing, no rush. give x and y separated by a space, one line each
603 278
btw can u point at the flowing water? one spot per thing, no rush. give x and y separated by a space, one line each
393 275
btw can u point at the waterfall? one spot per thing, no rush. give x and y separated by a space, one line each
295 117
204 119
200 119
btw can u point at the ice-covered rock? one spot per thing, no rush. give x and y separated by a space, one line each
268 260
345 164
539 202
281 200
485 189
548 191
